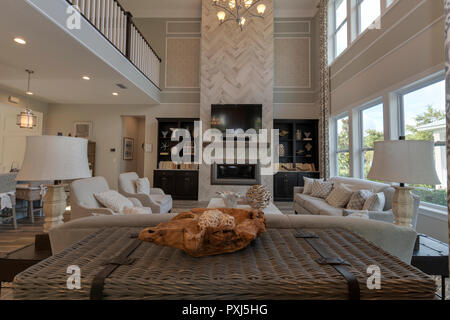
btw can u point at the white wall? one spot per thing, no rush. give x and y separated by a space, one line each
13 138
107 131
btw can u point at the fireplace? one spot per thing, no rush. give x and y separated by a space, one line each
235 174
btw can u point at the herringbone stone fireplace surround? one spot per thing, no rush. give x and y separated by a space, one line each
237 67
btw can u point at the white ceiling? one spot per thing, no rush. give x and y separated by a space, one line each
192 8
58 60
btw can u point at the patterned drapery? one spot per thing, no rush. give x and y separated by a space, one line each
324 101
447 78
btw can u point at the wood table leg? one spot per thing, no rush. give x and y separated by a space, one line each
30 211
443 289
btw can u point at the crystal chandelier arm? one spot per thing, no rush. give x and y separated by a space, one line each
226 9
246 12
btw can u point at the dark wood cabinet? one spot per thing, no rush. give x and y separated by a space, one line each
180 184
178 180
299 156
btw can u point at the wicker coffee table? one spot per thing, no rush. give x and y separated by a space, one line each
281 264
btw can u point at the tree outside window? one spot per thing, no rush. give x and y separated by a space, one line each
372 130
342 147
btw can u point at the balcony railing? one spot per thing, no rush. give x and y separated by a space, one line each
117 26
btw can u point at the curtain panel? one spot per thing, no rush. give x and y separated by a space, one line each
324 98
447 87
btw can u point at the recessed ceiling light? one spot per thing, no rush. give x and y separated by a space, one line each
86 78
20 40
115 94
29 93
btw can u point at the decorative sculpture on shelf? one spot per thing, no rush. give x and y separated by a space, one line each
205 232
258 197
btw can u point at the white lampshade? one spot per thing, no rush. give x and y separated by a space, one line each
54 158
404 161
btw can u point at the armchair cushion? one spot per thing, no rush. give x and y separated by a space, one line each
143 185
137 210
127 182
113 200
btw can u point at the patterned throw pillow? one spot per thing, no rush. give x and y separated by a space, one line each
143 185
358 199
339 197
375 202
321 189
113 200
307 189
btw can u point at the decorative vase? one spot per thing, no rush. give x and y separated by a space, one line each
298 135
258 197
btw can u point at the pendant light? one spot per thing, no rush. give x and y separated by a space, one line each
26 119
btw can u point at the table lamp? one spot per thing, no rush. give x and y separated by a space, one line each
404 162
54 158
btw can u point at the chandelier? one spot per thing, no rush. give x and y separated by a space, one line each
26 119
239 10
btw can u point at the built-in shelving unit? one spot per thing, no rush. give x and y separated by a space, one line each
299 155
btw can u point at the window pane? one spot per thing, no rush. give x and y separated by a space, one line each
341 39
342 134
341 12
343 164
389 2
372 126
369 10
424 119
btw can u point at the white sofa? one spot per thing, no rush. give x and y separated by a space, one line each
157 200
398 241
306 204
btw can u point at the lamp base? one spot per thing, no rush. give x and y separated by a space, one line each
54 206
403 206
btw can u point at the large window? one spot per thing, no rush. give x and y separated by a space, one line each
342 147
422 117
368 11
372 130
339 30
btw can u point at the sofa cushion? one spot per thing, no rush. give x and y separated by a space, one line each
339 196
388 195
358 199
321 189
360 184
328 210
307 189
375 202
137 210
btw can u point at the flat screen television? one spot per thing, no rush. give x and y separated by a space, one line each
236 116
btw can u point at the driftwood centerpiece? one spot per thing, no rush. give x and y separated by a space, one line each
205 232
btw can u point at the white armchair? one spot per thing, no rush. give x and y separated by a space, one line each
157 200
83 202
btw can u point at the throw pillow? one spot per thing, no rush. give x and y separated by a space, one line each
113 200
307 189
321 189
358 199
143 185
339 196
375 202
137 210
